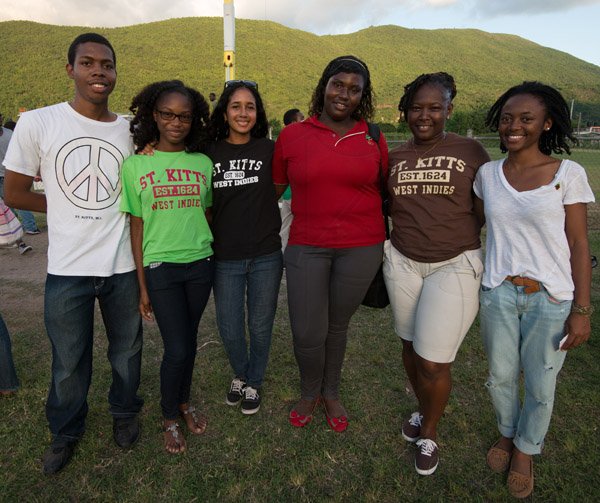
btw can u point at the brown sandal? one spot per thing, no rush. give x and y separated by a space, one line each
172 433
497 458
195 423
520 485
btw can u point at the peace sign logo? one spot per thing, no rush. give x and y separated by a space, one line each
87 170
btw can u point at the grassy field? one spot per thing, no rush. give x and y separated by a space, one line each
263 459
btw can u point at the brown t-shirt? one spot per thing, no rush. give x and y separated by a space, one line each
431 191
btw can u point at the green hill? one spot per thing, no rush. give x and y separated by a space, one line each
287 63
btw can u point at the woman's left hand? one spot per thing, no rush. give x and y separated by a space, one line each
579 328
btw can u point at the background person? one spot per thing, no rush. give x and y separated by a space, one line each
10 124
9 382
212 100
89 252
336 237
289 117
11 230
535 298
166 195
26 217
245 224
433 261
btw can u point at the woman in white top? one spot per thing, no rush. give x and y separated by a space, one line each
535 294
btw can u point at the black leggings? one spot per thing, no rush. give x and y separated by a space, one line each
325 287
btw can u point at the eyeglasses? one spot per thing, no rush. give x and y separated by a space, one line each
247 83
170 116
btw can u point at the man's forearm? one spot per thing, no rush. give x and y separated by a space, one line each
18 194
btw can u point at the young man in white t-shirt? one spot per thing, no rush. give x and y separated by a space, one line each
78 148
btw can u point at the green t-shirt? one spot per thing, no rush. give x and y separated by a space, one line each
170 192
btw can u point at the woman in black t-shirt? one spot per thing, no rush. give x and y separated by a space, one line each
247 246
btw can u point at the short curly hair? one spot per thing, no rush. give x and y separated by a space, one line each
219 129
345 64
553 140
143 126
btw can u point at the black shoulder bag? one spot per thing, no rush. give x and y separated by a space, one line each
377 295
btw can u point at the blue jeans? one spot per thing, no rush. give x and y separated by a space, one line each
26 217
8 375
522 331
69 316
178 294
255 280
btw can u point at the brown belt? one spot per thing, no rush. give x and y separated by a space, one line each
531 285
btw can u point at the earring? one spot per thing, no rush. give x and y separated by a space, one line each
547 129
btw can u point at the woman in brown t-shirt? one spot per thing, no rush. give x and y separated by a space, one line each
433 261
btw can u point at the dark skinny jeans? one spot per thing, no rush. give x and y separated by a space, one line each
325 288
178 293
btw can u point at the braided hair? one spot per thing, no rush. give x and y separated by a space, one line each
442 79
143 126
553 140
219 129
345 64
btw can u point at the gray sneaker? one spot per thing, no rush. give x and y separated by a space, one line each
411 427
236 391
24 248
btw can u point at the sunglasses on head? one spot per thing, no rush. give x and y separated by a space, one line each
247 83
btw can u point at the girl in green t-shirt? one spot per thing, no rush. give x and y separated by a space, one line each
167 195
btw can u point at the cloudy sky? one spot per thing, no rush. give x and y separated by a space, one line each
572 26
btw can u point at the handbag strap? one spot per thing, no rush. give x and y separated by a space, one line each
375 133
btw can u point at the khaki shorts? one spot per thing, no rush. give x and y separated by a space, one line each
433 304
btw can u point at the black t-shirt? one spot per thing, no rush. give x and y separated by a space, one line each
246 219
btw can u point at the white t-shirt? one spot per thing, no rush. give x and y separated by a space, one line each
526 230
80 161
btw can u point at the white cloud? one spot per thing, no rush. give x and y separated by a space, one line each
318 16
485 8
107 13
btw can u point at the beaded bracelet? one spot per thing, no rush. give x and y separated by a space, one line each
583 310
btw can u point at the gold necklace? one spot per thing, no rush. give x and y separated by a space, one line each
423 154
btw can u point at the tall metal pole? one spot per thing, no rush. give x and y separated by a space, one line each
572 104
229 39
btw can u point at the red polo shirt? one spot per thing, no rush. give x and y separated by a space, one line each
335 184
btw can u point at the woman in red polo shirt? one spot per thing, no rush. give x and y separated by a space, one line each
336 237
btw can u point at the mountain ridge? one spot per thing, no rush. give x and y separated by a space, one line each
288 62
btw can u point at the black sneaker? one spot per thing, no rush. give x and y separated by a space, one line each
58 455
411 427
126 431
251 401
427 456
236 391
